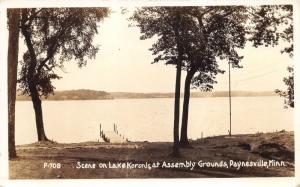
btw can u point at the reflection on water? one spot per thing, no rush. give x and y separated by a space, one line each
151 119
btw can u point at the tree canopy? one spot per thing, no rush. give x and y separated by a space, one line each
270 24
210 32
206 33
54 36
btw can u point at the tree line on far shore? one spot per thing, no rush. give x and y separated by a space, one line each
193 39
86 94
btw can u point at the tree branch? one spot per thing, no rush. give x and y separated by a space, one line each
27 35
51 50
32 16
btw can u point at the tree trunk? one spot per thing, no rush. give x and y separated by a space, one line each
177 90
185 112
37 105
12 69
177 110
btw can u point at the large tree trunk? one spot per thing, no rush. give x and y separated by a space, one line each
177 90
177 111
12 68
185 112
37 105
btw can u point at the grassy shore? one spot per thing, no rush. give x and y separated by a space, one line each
38 160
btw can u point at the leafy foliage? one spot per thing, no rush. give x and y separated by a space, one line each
272 23
206 33
54 36
212 32
289 93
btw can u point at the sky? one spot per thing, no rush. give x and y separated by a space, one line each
123 63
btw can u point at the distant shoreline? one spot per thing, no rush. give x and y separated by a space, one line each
84 94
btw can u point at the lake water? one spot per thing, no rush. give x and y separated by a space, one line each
151 119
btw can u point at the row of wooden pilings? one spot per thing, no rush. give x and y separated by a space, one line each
103 136
106 139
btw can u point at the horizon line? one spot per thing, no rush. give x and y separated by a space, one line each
198 91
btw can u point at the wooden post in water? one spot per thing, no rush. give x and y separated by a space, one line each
100 128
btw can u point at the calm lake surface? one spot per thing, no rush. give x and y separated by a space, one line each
151 119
